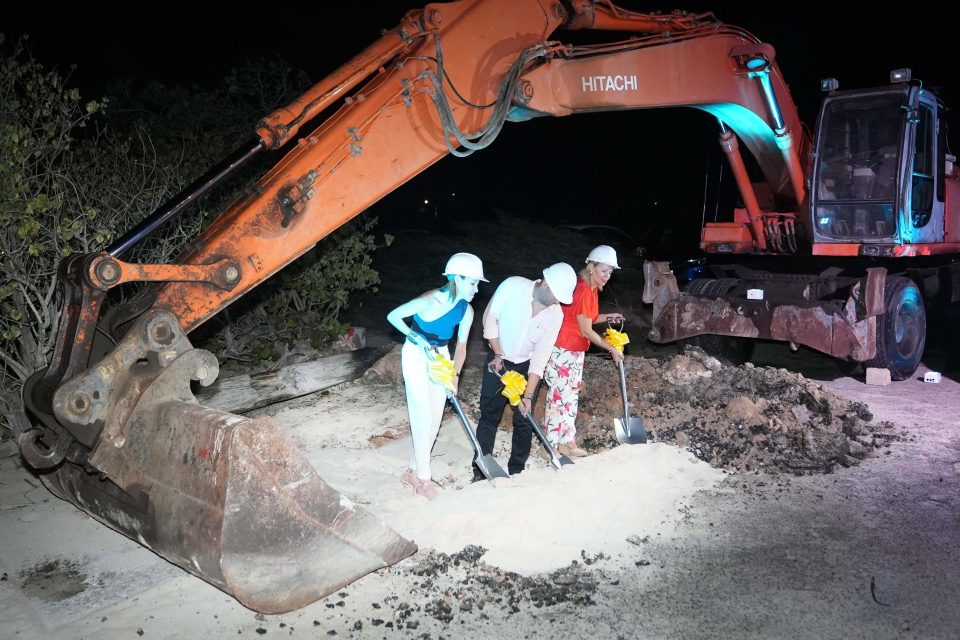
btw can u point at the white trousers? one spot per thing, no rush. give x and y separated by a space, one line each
425 402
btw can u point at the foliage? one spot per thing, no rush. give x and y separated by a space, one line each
74 174
67 186
202 125
44 212
307 301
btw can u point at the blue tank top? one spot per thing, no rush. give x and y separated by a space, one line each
438 332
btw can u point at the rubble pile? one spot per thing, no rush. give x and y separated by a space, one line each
736 418
450 586
476 584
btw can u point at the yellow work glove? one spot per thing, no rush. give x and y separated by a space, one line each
441 371
615 339
514 385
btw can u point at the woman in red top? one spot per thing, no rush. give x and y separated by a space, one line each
564 372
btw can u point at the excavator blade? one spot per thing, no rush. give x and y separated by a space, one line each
225 497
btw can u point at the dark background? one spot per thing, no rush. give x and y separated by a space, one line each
640 171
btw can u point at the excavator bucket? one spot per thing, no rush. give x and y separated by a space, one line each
226 498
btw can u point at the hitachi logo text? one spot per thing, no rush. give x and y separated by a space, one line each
608 83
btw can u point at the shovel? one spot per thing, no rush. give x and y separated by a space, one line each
485 462
556 460
629 430
513 387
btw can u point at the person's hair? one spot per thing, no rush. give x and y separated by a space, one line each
451 287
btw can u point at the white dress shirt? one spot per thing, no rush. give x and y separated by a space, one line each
522 336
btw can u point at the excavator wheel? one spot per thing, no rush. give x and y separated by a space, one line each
901 329
729 350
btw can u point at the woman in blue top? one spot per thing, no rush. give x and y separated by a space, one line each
436 314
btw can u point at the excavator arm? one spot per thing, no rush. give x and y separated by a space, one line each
716 68
228 498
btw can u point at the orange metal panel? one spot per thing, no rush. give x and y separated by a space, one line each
678 71
951 223
934 249
905 250
822 249
726 232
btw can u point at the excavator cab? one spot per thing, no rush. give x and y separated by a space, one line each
860 151
879 170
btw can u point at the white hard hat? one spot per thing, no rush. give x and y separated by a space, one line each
604 254
562 280
465 264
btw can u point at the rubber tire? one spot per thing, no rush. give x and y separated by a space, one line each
901 329
729 350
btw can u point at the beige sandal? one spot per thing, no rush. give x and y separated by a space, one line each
572 450
428 489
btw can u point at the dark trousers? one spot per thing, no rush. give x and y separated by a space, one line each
492 403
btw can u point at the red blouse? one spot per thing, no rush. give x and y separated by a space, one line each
585 303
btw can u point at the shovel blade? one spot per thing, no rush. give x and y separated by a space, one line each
558 460
629 432
490 468
485 462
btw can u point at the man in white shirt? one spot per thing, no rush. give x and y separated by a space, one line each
520 324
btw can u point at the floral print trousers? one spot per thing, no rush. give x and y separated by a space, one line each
564 379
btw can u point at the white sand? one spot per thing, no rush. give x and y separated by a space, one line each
537 521
542 519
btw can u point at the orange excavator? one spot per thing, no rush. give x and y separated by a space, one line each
118 431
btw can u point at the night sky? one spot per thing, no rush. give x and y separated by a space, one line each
631 169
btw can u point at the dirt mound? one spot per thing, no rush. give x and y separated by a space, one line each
737 418
450 586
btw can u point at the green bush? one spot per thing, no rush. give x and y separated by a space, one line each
305 302
69 183
46 213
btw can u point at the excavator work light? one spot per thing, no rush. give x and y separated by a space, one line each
900 75
829 84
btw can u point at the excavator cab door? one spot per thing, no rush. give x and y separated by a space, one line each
859 165
879 171
924 192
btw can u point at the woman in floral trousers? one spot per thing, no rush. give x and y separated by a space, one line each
564 373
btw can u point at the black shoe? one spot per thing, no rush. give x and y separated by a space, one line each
477 476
